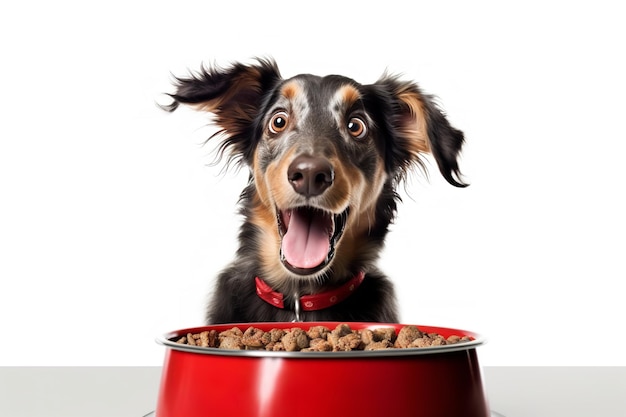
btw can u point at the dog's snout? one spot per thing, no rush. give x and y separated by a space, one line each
310 176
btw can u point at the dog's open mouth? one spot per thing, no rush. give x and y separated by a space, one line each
309 236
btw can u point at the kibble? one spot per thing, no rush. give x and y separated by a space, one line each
319 339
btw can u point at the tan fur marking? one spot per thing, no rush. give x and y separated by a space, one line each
347 187
263 216
269 246
363 196
227 109
276 180
349 94
291 90
415 128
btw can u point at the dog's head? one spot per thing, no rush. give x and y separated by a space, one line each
325 155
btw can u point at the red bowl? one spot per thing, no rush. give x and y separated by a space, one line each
422 382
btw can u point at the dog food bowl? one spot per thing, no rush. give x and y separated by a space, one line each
421 382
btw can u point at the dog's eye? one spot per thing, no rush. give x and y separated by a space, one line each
357 128
278 122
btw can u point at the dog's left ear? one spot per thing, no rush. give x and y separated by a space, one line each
234 95
419 126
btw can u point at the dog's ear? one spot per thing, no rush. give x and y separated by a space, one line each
234 95
419 126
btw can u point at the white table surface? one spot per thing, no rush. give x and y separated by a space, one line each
132 391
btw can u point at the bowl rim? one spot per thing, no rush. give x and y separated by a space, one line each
166 341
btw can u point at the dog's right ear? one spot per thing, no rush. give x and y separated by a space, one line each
420 127
234 95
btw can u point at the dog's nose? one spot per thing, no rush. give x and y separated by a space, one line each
310 176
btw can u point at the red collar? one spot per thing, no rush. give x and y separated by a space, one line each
311 302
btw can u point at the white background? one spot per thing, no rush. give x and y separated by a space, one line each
113 225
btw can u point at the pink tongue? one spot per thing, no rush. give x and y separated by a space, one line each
307 242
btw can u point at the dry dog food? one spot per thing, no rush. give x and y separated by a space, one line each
318 339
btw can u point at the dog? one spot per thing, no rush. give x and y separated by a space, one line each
325 157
